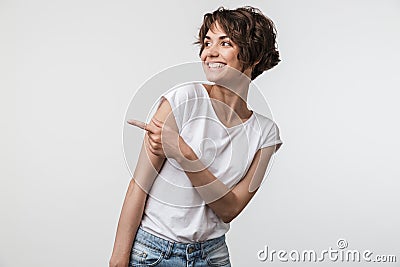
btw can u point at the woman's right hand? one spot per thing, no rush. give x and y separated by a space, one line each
162 139
118 261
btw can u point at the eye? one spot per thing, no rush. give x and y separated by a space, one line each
207 43
226 43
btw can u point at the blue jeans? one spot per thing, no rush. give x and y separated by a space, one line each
150 250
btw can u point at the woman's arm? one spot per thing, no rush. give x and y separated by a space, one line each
226 203
147 168
128 223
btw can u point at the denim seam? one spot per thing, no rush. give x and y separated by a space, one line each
150 246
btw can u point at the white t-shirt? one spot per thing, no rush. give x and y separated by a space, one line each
174 210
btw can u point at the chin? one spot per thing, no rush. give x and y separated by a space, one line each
227 78
215 76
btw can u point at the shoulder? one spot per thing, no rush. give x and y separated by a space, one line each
269 132
181 99
185 96
263 122
185 91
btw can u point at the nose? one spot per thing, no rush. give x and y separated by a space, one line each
212 51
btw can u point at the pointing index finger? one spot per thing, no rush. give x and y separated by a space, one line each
137 123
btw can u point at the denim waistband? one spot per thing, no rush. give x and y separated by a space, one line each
201 248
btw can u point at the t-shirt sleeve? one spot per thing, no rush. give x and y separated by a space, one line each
176 98
272 137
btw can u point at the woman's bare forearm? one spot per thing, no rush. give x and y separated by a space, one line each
147 167
129 221
216 194
225 202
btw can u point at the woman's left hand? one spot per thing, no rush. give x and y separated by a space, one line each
161 139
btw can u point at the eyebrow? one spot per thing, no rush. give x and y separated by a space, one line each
221 37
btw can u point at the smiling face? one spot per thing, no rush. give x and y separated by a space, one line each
220 55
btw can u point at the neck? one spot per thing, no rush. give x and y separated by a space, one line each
230 103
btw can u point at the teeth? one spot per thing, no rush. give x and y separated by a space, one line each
216 65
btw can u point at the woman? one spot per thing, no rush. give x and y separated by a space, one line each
204 153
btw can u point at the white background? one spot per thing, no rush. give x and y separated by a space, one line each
68 70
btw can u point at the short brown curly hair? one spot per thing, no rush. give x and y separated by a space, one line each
252 31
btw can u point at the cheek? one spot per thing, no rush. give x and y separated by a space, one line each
232 59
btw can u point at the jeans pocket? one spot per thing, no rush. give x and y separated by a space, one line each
219 256
142 255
